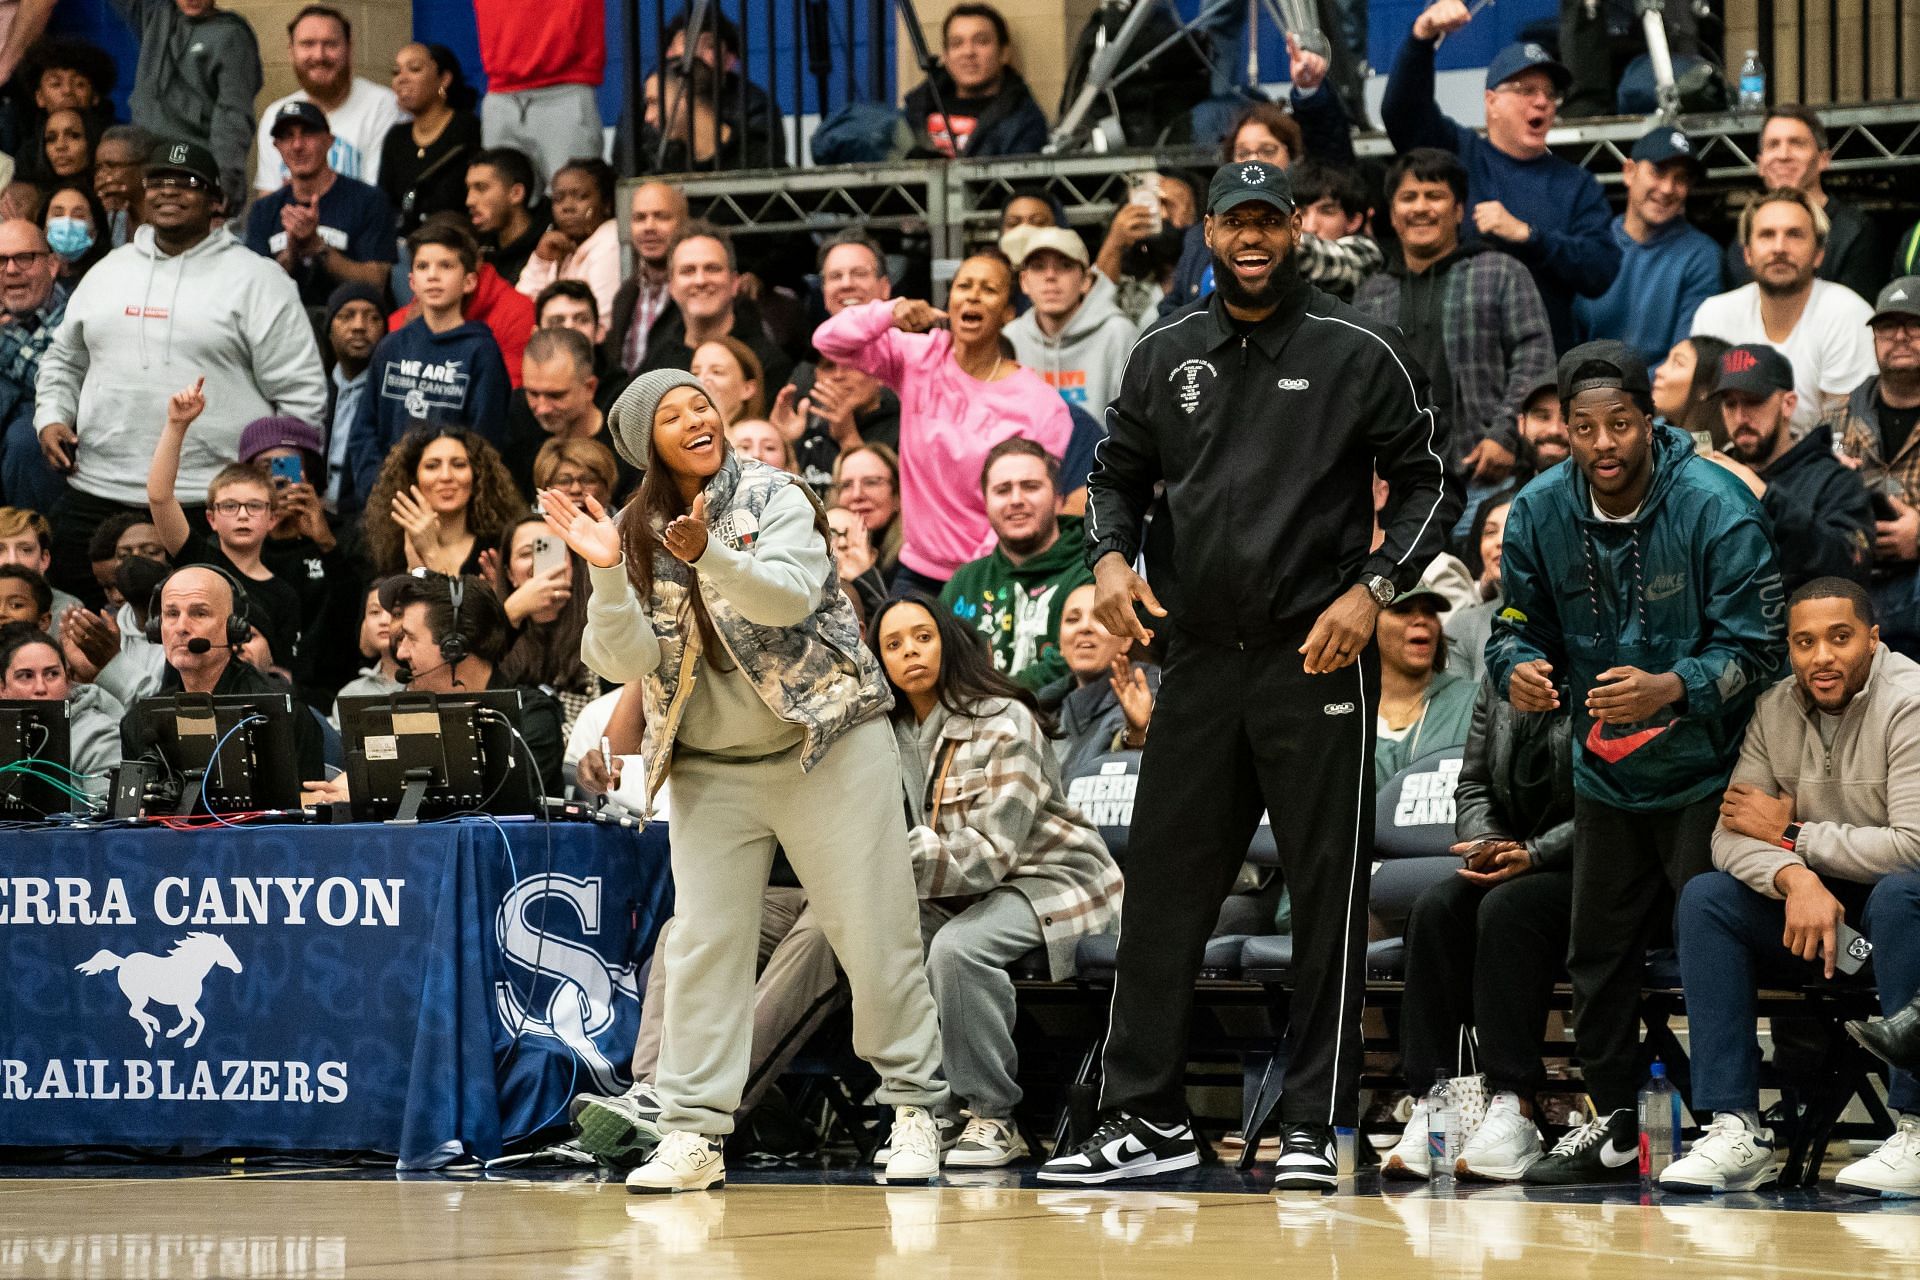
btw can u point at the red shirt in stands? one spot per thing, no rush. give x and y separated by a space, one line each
497 305
532 44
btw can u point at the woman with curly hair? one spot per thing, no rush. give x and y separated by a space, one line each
443 498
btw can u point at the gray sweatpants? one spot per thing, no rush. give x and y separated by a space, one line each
552 125
799 985
844 831
967 959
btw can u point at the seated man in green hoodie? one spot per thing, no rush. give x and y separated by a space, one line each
1014 594
1642 589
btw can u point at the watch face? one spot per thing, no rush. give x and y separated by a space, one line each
1383 591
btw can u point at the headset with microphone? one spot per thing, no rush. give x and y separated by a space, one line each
239 620
453 649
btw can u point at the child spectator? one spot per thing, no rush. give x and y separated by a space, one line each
27 539
734 380
438 368
239 511
383 677
25 596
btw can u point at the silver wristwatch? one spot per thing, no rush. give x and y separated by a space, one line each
1383 592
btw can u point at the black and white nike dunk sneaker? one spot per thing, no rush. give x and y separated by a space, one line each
1601 1150
1307 1160
1124 1146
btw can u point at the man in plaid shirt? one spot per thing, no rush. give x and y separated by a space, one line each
34 304
1471 313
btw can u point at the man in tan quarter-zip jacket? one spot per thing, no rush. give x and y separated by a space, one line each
1819 837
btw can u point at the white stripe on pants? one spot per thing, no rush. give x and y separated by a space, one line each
844 830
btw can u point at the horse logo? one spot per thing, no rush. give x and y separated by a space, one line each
173 979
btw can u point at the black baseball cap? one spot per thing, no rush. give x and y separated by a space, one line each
1755 368
1603 364
1665 144
1526 56
1236 184
300 112
1901 297
184 157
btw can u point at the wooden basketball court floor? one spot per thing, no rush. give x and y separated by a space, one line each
795 1225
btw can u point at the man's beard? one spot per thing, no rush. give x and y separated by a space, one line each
1798 284
1762 448
1042 537
1235 294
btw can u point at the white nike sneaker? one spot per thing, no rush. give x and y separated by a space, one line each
987 1144
682 1162
1504 1147
1892 1172
1409 1158
914 1147
1728 1156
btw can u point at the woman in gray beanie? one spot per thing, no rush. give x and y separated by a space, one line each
716 589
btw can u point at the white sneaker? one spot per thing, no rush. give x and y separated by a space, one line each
949 1135
987 1144
1408 1159
1728 1157
1893 1171
682 1162
914 1147
1504 1147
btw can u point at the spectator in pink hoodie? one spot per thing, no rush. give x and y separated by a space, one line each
961 393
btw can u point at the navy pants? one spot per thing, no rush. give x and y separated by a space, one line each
1730 946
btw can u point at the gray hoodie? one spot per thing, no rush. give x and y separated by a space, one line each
196 81
93 733
1858 801
1084 362
141 326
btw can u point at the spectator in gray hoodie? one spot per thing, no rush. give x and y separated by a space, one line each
1074 338
176 304
32 667
198 75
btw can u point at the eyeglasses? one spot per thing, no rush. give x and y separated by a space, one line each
1897 326
20 261
178 181
571 480
1547 95
254 508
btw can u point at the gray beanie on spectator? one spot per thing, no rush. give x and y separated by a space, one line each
630 422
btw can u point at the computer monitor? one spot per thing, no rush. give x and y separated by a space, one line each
34 736
257 765
414 754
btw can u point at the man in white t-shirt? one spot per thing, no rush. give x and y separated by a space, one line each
1821 327
320 41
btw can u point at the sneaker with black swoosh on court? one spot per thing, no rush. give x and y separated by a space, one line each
1124 1146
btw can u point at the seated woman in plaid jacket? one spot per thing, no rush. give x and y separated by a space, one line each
1004 864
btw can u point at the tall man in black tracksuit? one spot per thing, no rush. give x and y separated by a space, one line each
1266 409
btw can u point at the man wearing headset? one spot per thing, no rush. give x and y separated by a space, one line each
201 623
448 633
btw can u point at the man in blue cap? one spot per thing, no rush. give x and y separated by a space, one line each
1545 211
1668 267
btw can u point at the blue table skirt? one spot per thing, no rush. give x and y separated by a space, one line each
427 991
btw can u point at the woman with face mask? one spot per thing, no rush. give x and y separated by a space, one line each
715 587
75 222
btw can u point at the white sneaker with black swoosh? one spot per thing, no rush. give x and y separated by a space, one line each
1124 1146
1602 1150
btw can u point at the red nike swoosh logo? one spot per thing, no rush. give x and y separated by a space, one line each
1614 750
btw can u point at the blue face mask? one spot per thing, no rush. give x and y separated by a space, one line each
69 237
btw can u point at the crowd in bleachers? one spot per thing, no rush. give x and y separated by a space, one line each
376 349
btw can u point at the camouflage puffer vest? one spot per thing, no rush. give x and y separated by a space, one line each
817 675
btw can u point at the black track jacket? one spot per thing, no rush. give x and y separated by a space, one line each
1267 443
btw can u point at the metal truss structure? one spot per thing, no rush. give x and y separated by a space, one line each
952 203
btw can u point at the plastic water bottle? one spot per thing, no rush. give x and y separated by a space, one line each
1443 1127
1659 1126
1753 84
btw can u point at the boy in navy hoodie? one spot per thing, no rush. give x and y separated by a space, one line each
438 368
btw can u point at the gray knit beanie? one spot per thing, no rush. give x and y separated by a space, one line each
630 422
